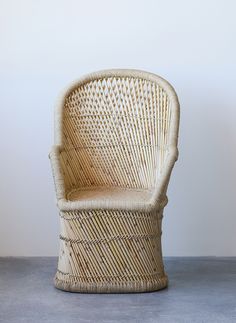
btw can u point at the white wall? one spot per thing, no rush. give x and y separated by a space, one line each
46 44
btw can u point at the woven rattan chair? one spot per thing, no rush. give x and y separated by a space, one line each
116 137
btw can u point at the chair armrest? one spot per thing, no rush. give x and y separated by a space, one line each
58 177
159 194
157 201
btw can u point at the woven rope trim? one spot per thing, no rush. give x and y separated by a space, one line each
164 148
110 276
70 216
116 115
113 287
114 238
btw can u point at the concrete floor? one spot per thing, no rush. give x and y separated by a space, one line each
200 290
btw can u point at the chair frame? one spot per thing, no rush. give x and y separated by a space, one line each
155 206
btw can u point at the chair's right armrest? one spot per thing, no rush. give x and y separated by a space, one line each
159 194
58 177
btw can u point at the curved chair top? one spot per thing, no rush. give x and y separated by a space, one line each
120 73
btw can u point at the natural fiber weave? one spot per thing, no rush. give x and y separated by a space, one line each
116 135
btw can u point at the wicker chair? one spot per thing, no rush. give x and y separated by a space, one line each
116 135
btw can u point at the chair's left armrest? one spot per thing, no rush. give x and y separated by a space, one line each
58 177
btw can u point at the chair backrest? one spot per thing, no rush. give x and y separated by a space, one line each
114 128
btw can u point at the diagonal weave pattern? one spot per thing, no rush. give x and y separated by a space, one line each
93 249
115 146
115 133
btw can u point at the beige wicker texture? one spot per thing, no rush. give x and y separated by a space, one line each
116 135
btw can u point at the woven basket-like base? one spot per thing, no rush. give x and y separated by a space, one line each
110 252
115 287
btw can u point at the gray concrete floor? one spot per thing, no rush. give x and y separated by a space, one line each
200 290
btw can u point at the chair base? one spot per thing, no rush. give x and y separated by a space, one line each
156 283
110 252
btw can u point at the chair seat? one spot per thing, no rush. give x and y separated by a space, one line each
89 194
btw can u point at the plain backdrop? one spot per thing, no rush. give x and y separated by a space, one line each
46 44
